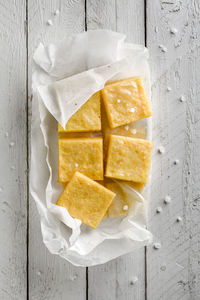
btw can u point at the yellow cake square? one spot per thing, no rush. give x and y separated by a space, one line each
86 199
87 118
80 154
125 101
128 158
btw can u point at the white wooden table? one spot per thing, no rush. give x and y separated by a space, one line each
171 30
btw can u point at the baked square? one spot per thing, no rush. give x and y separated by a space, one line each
87 118
125 101
128 158
80 154
86 199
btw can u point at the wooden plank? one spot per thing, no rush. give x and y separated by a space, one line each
123 16
50 277
13 153
123 278
173 270
130 20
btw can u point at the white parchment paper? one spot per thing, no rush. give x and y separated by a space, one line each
64 76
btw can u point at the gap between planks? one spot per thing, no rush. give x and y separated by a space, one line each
27 153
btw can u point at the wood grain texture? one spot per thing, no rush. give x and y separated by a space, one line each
123 278
13 153
173 271
50 277
130 20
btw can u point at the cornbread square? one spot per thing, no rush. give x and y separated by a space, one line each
128 158
80 154
86 199
125 101
87 118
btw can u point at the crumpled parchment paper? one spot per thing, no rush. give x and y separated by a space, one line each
66 73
